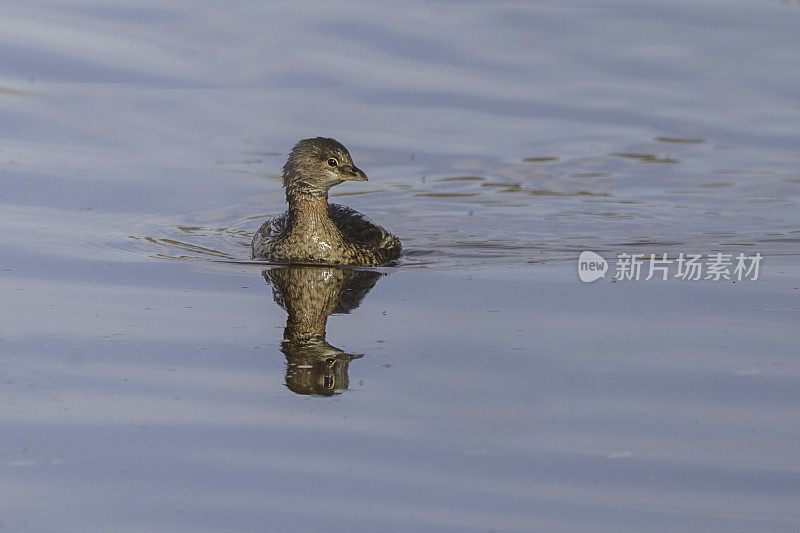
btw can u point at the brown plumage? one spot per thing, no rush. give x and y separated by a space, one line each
309 294
312 231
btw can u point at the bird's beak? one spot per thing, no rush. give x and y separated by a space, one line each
352 173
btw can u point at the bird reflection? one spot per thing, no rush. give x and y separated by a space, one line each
309 294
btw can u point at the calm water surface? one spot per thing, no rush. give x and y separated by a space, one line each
156 380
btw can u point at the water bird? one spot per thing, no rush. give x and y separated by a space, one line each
312 231
309 295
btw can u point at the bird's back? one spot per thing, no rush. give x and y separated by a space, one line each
269 232
363 233
373 244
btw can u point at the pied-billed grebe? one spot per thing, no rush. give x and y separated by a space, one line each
309 295
312 231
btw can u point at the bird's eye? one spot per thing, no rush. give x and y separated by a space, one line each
332 162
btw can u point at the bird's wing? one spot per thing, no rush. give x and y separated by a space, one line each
267 234
356 227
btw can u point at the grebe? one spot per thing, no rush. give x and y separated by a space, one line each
313 231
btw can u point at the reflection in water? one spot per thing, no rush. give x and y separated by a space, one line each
645 158
309 294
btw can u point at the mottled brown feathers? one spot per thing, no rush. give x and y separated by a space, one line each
313 232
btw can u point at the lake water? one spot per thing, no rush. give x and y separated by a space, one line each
152 377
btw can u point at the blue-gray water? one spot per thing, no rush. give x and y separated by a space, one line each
145 386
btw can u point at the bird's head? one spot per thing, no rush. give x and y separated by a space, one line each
315 165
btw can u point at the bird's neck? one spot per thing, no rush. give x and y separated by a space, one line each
309 212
